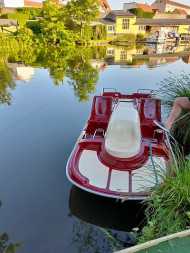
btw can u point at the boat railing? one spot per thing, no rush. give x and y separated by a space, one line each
151 91
109 89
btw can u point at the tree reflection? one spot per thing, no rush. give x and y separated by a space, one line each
61 62
6 83
81 73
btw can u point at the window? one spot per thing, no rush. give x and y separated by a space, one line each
111 28
123 55
125 24
142 27
110 52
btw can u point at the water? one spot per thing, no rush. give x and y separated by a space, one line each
38 130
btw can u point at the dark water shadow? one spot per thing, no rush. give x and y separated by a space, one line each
106 212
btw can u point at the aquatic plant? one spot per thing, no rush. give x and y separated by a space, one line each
6 246
168 208
172 87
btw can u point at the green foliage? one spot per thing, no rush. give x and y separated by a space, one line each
20 17
6 246
172 87
55 33
61 61
83 76
141 14
175 86
31 12
99 32
53 30
140 37
6 82
169 205
79 14
128 38
35 26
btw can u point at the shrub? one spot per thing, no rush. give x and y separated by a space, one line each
141 14
130 37
20 17
140 37
35 26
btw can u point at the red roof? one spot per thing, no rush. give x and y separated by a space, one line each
178 4
180 11
105 5
145 7
30 3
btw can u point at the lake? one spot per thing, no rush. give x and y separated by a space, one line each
44 105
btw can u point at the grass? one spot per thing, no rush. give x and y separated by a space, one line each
172 87
168 208
169 204
175 86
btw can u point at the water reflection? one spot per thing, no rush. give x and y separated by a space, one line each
150 55
113 219
80 67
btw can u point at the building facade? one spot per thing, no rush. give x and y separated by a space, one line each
170 6
122 22
11 3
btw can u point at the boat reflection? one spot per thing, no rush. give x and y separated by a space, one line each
105 212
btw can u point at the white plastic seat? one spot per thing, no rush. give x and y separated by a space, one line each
123 137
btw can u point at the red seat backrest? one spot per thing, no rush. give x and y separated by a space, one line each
101 108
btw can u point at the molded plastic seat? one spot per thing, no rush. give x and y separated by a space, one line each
123 137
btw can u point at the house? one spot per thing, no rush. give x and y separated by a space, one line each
165 26
11 3
20 3
33 3
170 6
120 22
104 5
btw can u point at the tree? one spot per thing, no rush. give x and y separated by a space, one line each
80 13
52 25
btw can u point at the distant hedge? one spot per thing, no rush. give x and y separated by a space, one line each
130 37
141 14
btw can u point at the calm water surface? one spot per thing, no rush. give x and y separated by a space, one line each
38 130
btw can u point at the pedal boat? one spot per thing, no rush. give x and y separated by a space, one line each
121 153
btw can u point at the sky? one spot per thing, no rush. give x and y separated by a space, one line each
118 4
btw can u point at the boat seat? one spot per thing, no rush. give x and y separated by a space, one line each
123 136
101 109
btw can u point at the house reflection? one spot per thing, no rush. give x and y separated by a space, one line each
21 72
150 55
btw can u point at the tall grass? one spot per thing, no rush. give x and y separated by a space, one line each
169 205
172 87
168 208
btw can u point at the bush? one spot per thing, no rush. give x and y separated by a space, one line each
20 17
35 26
130 37
4 16
140 37
141 14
